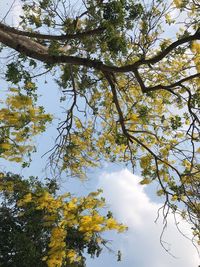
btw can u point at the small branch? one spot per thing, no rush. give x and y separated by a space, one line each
62 37
170 86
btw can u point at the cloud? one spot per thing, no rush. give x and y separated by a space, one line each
140 246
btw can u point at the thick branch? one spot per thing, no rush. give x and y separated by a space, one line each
34 50
23 45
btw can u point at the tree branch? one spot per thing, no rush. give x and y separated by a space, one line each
62 37
37 51
170 86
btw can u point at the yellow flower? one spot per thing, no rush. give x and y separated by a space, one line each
26 199
6 146
178 3
111 223
196 47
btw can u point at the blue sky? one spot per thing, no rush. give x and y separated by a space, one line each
130 202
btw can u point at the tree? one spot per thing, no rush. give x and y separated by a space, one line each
133 89
40 227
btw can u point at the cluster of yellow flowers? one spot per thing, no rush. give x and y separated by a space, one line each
20 120
178 3
196 50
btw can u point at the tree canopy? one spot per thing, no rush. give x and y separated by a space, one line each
40 227
129 74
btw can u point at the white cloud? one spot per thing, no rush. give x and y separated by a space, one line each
140 245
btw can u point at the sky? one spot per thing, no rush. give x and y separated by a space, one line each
130 202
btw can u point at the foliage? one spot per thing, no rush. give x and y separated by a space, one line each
133 90
20 120
39 227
